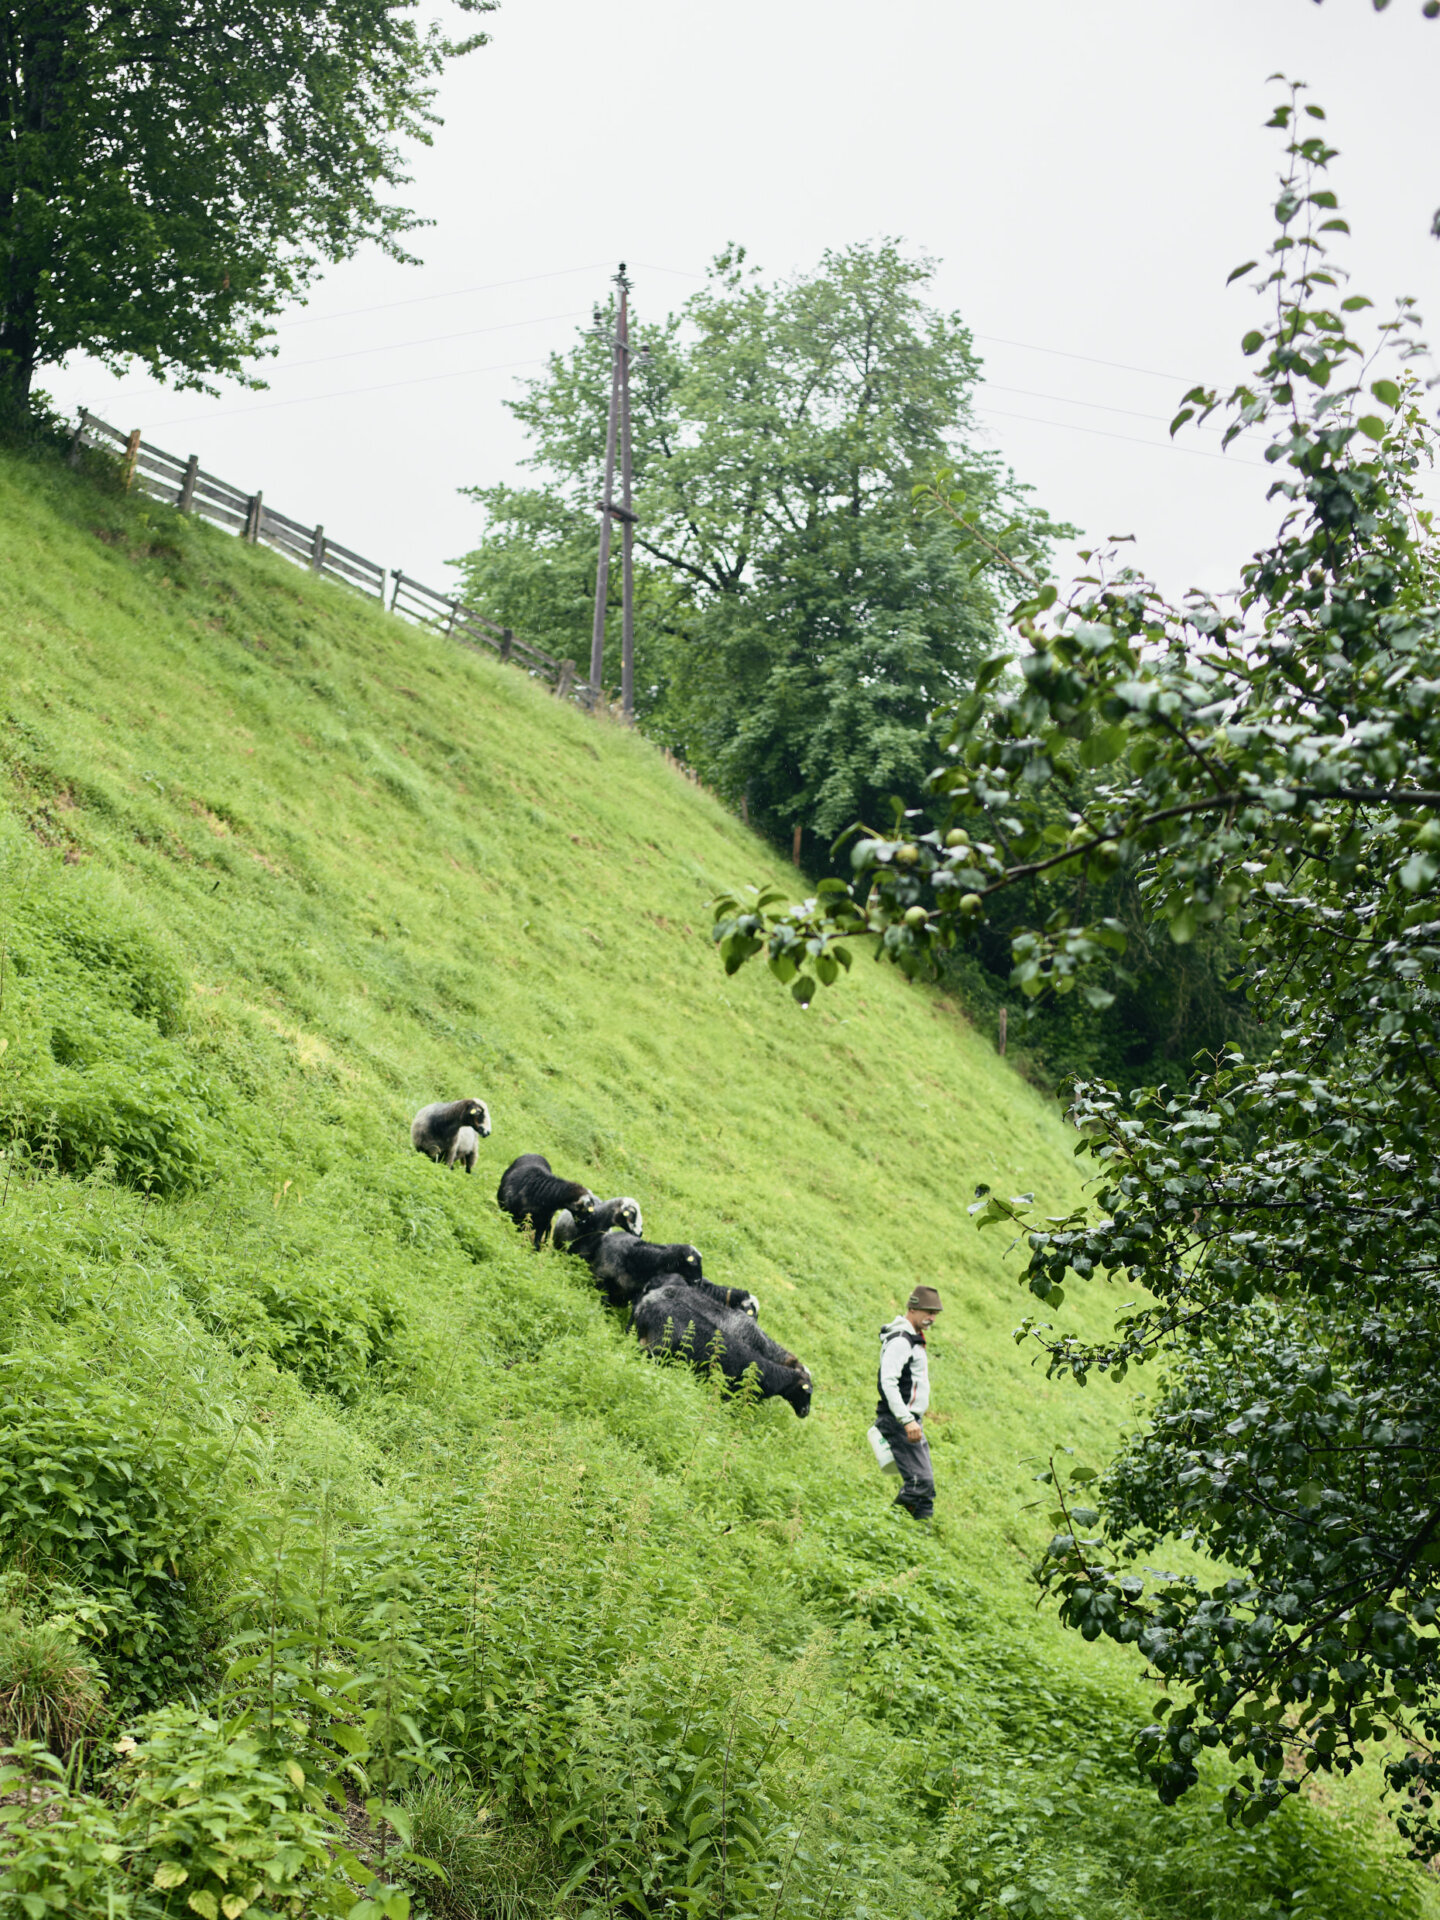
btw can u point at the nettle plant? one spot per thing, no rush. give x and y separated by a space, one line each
1269 763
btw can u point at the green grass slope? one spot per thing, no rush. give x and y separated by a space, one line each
323 1493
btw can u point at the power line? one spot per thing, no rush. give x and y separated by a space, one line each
455 293
547 319
350 393
431 340
1131 439
1028 346
504 366
1063 353
1095 406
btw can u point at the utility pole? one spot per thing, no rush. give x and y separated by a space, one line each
611 509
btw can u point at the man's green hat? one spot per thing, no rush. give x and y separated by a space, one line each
923 1300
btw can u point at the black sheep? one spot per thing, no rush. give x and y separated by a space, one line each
622 1215
676 1318
437 1131
624 1266
530 1191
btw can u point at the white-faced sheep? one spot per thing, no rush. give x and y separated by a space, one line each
676 1318
530 1191
622 1215
437 1131
466 1153
624 1266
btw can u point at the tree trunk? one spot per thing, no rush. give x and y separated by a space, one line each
35 44
17 356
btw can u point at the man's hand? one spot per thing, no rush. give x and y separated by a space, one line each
913 1431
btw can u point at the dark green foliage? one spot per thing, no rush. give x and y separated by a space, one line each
1171 1003
171 173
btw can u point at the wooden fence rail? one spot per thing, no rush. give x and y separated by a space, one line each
180 483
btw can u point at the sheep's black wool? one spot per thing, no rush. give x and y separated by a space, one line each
609 1215
624 1266
451 1130
673 1317
529 1191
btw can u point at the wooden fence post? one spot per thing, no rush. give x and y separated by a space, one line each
454 611
395 576
507 643
254 517
77 439
566 680
1004 1022
132 454
187 485
744 809
317 550
795 851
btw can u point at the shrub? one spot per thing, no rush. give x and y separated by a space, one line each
125 963
332 1335
224 1824
120 1497
494 1869
50 1689
92 1065
60 1852
138 1101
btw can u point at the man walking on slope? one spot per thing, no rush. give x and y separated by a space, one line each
904 1396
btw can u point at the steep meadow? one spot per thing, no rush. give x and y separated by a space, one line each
314 1465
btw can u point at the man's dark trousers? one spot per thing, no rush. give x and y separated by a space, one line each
912 1457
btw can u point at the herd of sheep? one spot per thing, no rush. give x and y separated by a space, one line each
673 1308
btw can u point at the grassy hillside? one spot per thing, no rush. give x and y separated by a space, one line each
322 1488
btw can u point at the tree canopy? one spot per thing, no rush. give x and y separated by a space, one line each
798 622
1266 764
172 171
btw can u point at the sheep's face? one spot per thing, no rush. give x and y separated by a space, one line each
691 1263
799 1397
584 1207
478 1116
630 1219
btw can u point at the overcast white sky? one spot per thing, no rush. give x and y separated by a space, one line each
1087 174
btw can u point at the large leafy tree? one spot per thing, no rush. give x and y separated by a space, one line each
1269 765
798 622
172 171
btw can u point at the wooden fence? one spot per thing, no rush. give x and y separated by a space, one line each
182 484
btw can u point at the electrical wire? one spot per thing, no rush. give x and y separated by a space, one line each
432 340
1064 353
1028 346
504 366
1095 406
455 293
348 393
1131 439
